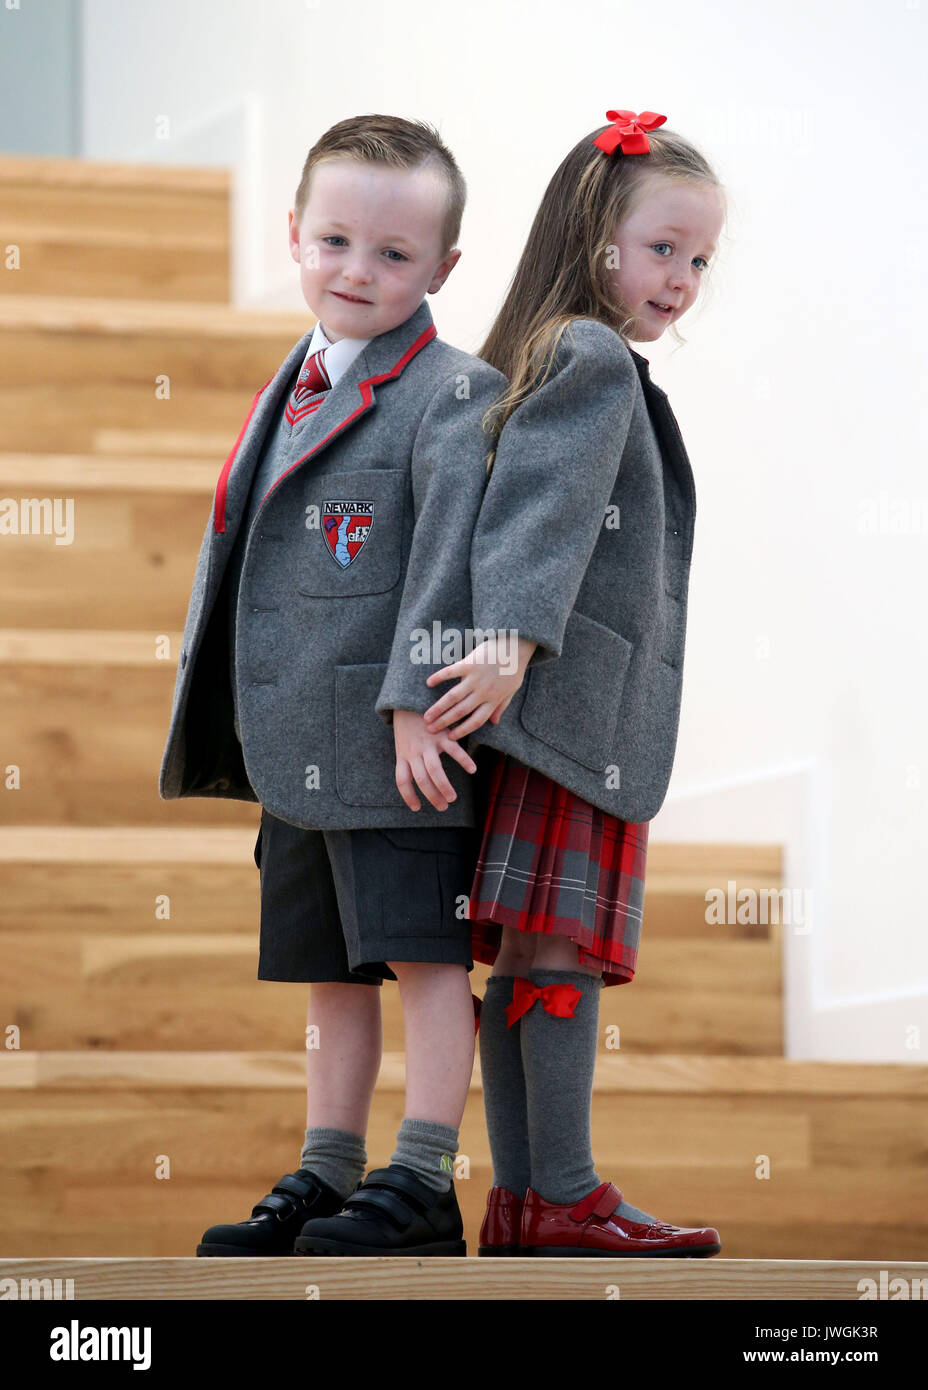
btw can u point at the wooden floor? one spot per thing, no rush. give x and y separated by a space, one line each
300 1278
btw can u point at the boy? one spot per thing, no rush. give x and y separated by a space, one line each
340 531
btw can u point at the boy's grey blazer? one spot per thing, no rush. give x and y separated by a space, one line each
583 545
321 659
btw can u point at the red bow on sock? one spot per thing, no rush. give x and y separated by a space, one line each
559 1000
629 131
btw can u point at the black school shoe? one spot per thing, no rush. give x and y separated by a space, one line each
276 1220
393 1212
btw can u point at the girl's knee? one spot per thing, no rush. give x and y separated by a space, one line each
516 952
561 953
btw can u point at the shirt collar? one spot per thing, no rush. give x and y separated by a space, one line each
338 356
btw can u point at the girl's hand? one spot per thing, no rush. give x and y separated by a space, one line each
490 676
418 755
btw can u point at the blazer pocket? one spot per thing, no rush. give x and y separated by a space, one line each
357 546
572 703
365 751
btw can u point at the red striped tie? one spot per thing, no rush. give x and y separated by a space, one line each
310 389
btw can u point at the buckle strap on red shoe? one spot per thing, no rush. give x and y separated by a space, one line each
602 1201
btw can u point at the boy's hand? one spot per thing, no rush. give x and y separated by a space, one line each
418 755
490 676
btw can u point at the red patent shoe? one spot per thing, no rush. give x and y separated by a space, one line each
499 1234
593 1227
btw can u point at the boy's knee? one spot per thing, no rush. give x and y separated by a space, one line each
412 969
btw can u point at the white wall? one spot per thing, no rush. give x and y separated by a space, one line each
801 395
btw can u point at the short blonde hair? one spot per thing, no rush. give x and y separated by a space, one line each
389 140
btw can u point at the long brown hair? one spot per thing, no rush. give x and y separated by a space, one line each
563 273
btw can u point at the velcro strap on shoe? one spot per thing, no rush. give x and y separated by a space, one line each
602 1201
289 1192
380 1201
301 1187
399 1179
277 1205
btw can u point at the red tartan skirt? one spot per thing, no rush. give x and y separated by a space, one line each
551 862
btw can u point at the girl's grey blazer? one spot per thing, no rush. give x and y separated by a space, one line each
583 545
319 659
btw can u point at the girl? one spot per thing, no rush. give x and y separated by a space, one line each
581 552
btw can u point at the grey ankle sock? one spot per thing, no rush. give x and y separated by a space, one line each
336 1156
428 1149
504 1088
558 1057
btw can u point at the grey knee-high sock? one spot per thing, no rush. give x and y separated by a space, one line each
336 1156
558 1057
504 1088
428 1149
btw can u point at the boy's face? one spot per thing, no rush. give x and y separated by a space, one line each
369 245
665 245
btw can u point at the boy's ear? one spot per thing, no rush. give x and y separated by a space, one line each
293 236
444 270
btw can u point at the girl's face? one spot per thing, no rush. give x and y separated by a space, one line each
665 244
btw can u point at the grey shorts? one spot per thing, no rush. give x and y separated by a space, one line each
339 904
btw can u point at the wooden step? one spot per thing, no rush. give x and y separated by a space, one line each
88 964
172 989
140 517
77 368
147 542
150 542
89 228
683 1137
88 733
470 1279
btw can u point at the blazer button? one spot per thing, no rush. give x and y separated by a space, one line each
183 658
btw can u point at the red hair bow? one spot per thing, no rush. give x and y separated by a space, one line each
629 131
559 1000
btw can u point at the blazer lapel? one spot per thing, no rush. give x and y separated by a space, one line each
668 431
352 396
235 478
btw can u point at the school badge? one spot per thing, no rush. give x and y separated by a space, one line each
346 525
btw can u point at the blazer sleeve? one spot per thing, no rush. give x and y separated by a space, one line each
556 464
448 469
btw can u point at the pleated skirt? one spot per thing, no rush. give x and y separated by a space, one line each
552 863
